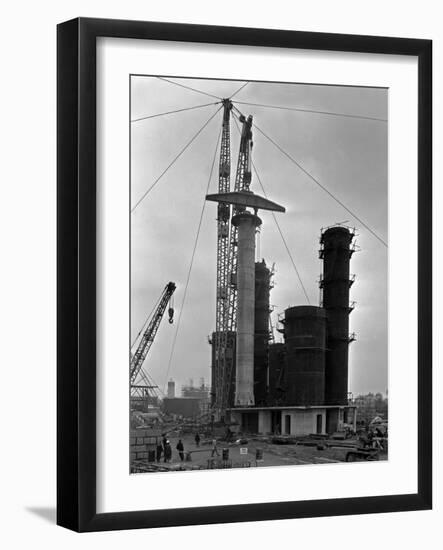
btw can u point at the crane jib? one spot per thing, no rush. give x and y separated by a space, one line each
145 343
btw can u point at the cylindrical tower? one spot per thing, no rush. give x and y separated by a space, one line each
244 388
336 253
305 339
218 382
244 261
171 389
276 381
261 331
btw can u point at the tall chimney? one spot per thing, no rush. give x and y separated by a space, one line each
244 389
261 331
336 253
246 223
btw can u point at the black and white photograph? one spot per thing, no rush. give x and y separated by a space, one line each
221 275
258 219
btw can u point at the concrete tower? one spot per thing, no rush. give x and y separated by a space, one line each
246 222
171 389
336 252
305 339
261 331
244 384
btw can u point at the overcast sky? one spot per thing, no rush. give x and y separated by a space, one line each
348 156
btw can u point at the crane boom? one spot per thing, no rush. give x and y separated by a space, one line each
223 228
226 301
242 183
143 347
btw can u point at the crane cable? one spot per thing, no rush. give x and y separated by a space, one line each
315 180
313 111
191 263
279 228
176 111
239 90
283 238
186 108
145 194
189 88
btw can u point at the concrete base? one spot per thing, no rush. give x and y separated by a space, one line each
295 420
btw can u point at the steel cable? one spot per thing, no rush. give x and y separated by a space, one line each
188 87
191 263
176 111
279 229
313 111
145 194
315 180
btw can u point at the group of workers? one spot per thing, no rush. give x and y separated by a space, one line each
164 448
373 438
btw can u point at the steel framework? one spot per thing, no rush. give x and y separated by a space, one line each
223 228
227 241
145 343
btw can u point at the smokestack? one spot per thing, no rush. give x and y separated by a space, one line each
336 253
305 339
171 389
261 331
277 373
246 222
244 389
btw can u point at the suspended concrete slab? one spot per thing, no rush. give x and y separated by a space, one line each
246 199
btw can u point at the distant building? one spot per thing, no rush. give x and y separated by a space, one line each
171 389
187 407
202 393
369 406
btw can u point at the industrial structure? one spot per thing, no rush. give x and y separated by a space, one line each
142 388
296 387
201 391
290 391
194 400
245 223
301 385
224 338
171 389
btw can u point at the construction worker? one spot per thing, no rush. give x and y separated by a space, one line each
228 435
180 450
159 450
168 451
214 448
197 439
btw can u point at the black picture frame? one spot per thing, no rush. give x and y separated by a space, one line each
76 280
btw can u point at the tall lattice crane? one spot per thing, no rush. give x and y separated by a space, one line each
145 343
223 341
227 241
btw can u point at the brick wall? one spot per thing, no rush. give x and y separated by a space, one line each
142 441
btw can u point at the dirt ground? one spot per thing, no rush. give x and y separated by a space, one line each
244 455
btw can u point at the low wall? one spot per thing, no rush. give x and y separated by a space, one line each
142 443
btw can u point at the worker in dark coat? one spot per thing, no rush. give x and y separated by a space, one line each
159 450
214 448
197 439
180 448
168 451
